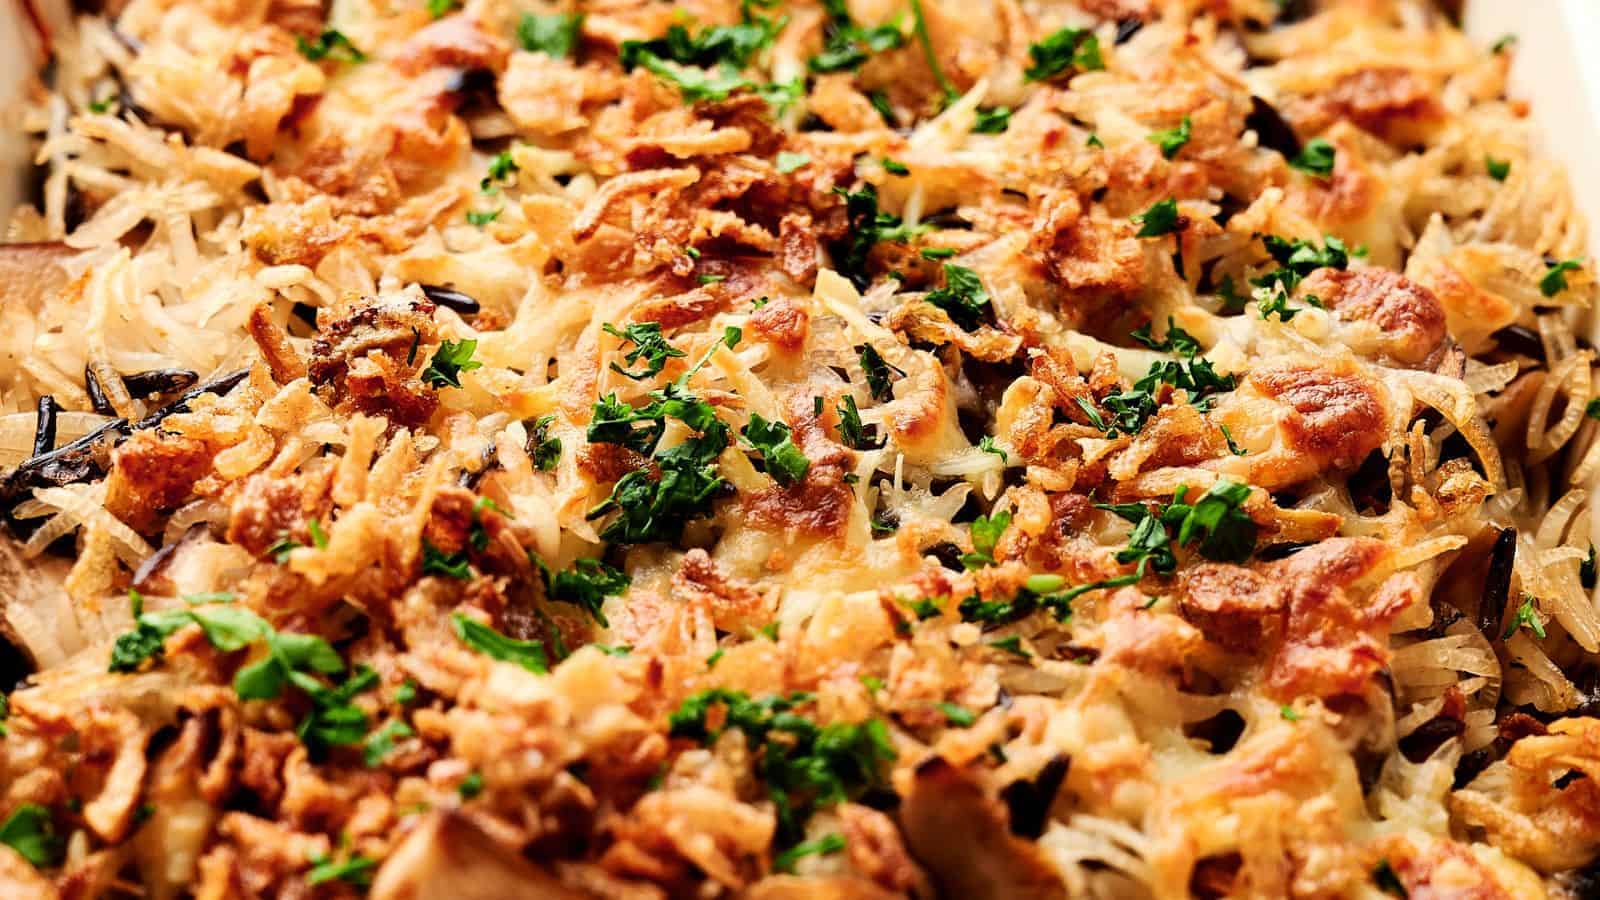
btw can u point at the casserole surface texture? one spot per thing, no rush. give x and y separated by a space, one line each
965 448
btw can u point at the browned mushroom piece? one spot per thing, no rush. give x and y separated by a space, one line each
960 834
31 273
447 857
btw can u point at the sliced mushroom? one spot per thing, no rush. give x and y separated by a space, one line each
961 835
447 857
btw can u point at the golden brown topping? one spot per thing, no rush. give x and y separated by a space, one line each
1409 320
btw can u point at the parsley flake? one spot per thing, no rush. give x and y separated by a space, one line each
449 361
1069 48
356 871
962 297
1527 615
958 716
1315 158
1171 140
380 743
986 531
1555 279
1012 645
330 44
529 655
828 843
880 383
30 831
775 442
1498 169
555 35
992 121
1160 219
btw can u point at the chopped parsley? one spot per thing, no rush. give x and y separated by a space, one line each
992 121
1094 141
545 450
654 506
452 565
1586 577
1276 304
438 8
554 35
1177 340
470 786
775 442
880 383
851 432
529 655
962 297
406 693
1289 713
319 538
867 226
919 26
1160 219
1233 448
880 102
1505 42
501 168
356 870
925 608
1215 521
1130 409
1171 140
1011 645
822 846
1498 168
587 585
789 162
729 46
937 252
648 344
987 445
449 361
804 767
986 531
480 219
615 650
380 743
847 45
330 44
1069 48
1296 260
226 627
693 84
1527 615
1555 279
894 166
1315 158
30 831
958 716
